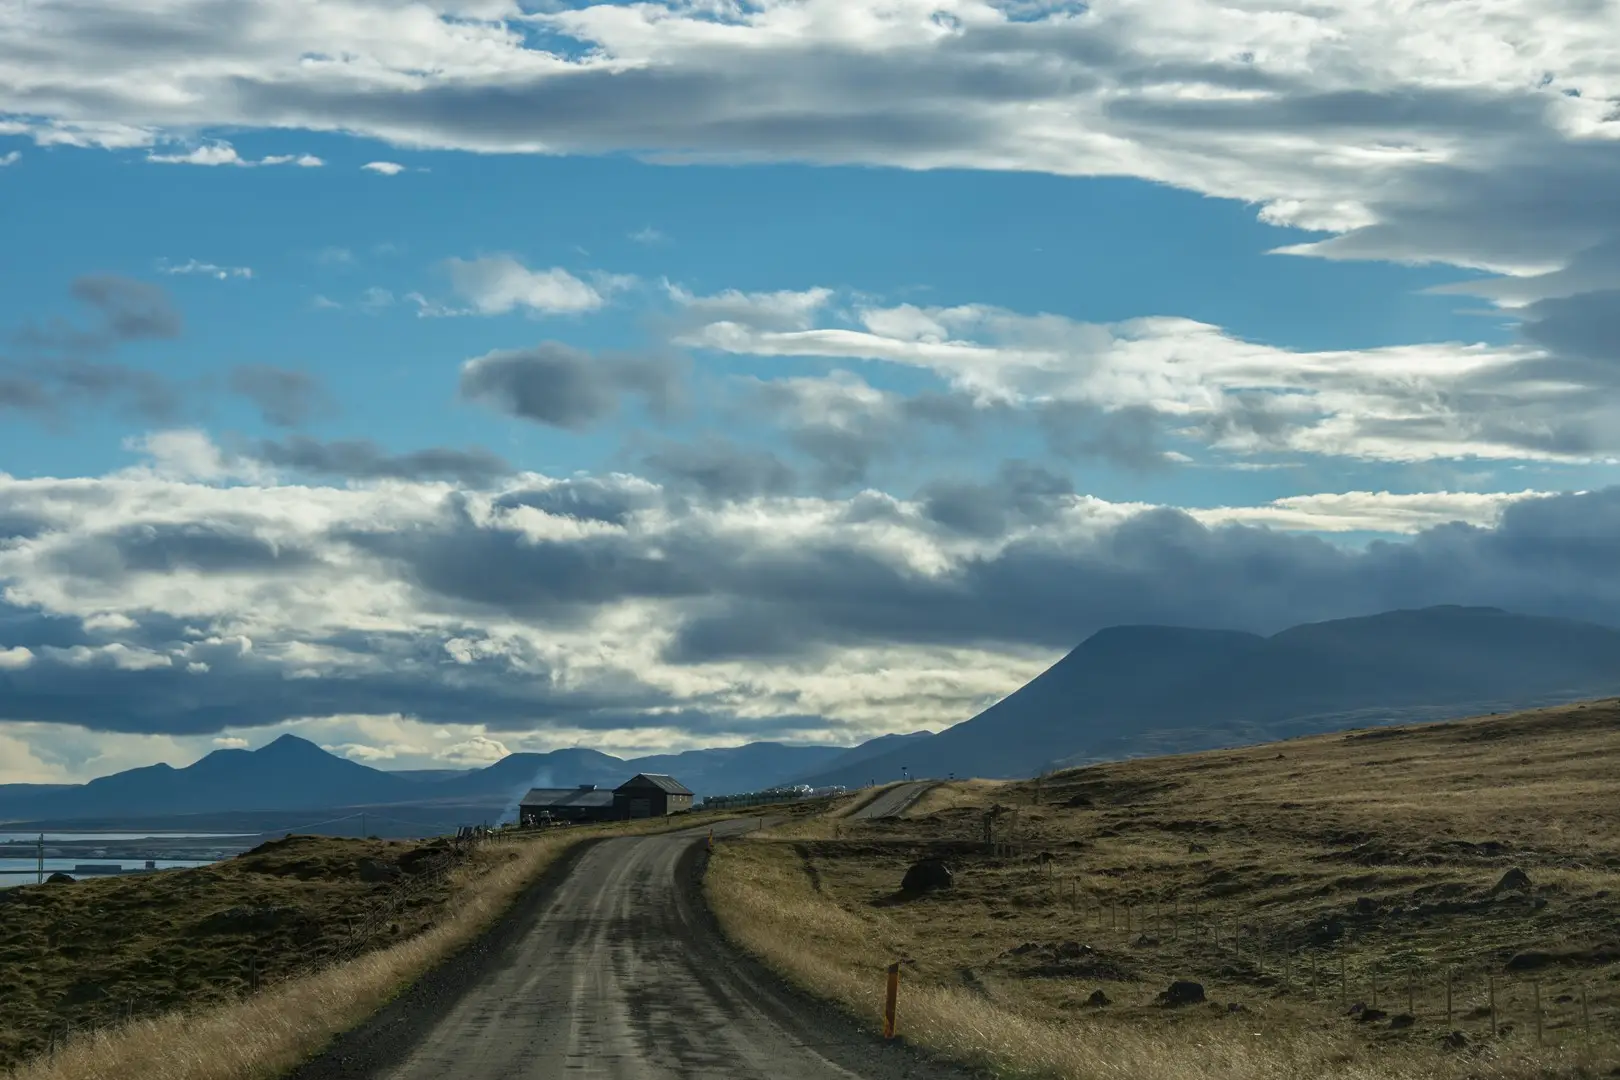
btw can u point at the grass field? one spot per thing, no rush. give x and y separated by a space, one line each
241 969
1256 873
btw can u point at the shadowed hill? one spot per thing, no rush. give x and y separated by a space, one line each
1144 689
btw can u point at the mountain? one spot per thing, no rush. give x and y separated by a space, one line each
293 774
1151 689
288 774
873 748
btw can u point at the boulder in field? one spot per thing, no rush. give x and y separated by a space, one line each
927 876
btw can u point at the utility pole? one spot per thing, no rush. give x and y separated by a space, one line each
41 858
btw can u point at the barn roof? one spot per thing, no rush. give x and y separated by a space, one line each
667 784
542 797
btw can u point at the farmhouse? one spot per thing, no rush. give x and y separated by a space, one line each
582 803
651 795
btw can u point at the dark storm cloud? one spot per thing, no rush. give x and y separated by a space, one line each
1023 492
130 310
285 397
565 387
721 469
845 427
1131 437
731 597
362 459
62 366
208 548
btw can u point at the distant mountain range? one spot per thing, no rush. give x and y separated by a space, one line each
1125 691
1134 690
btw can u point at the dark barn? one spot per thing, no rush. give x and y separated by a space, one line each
651 795
582 803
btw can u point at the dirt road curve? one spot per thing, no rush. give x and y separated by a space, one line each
896 801
617 973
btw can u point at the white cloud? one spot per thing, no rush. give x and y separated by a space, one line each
213 270
500 284
223 153
1443 400
785 309
10 158
386 168
230 742
599 610
649 236
189 454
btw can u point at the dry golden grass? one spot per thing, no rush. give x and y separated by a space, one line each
1375 848
247 1036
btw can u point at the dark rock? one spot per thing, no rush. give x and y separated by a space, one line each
1146 942
1401 1020
1020 950
1235 1007
1079 801
59 878
1182 992
373 872
927 876
1515 880
1356 1009
1455 1040
1366 905
1327 931
1071 950
1097 1000
1368 1016
1197 849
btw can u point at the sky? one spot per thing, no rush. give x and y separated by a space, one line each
443 379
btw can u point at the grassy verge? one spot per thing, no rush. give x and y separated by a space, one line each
303 893
1380 850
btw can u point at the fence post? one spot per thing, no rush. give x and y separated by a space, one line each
890 1000
1490 984
1344 991
1586 1017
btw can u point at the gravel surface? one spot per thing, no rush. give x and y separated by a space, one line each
611 966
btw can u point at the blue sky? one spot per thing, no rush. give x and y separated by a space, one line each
655 351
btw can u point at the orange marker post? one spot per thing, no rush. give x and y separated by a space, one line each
891 1000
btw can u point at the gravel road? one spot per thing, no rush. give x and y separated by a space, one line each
896 801
613 968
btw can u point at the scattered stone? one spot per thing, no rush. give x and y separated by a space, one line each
1401 1020
1020 950
1196 848
1455 1040
1356 1008
927 876
1515 880
1079 801
1071 950
1182 992
1366 905
1235 1007
1369 1016
1097 1000
1146 942
59 878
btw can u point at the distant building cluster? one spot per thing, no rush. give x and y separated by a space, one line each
795 793
644 795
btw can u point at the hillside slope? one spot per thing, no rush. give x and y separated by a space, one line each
1133 690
